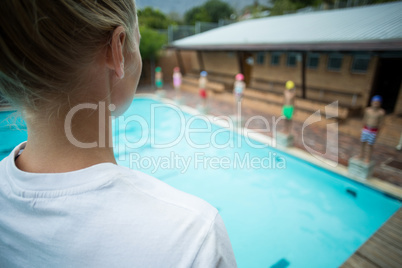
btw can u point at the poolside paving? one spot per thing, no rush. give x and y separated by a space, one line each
383 249
312 138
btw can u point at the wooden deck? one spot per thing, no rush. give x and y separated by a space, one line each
383 249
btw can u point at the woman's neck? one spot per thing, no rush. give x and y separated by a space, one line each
72 140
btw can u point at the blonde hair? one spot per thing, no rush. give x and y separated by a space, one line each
46 46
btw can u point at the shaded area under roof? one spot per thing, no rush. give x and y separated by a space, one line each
376 27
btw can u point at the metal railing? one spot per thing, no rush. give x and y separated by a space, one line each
176 32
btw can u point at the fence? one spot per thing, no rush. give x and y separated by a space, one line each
176 32
337 4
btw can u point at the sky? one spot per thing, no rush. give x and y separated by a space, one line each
181 6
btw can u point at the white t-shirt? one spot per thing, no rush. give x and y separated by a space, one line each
105 216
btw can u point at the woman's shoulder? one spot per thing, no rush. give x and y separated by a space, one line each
157 192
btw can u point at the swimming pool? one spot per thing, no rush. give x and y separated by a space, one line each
12 132
279 211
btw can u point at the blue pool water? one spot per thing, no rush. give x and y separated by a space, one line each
279 211
12 132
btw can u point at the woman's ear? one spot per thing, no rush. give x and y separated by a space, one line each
115 57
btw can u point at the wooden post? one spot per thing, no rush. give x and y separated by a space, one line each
303 75
244 67
240 60
200 60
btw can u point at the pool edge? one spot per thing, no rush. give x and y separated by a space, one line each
384 187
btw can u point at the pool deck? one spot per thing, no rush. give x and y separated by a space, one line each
383 249
6 108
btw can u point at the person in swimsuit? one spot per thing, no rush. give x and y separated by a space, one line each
239 86
238 90
372 120
158 78
202 82
288 107
177 81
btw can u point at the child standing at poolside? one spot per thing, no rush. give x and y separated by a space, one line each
64 202
372 120
177 81
288 107
238 90
158 78
202 82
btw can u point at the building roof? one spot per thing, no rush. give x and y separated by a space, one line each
375 27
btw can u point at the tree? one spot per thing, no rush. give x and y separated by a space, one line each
283 6
151 43
150 47
280 7
152 18
150 21
218 10
255 10
175 18
211 11
382 1
196 14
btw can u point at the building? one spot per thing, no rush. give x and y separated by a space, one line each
346 55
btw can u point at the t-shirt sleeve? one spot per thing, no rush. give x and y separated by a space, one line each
216 250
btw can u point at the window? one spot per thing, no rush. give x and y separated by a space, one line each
230 54
260 58
250 60
313 60
335 62
275 57
360 63
291 61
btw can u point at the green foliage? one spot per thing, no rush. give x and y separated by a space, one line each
282 6
211 11
153 18
175 18
218 10
255 9
151 42
196 14
383 1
